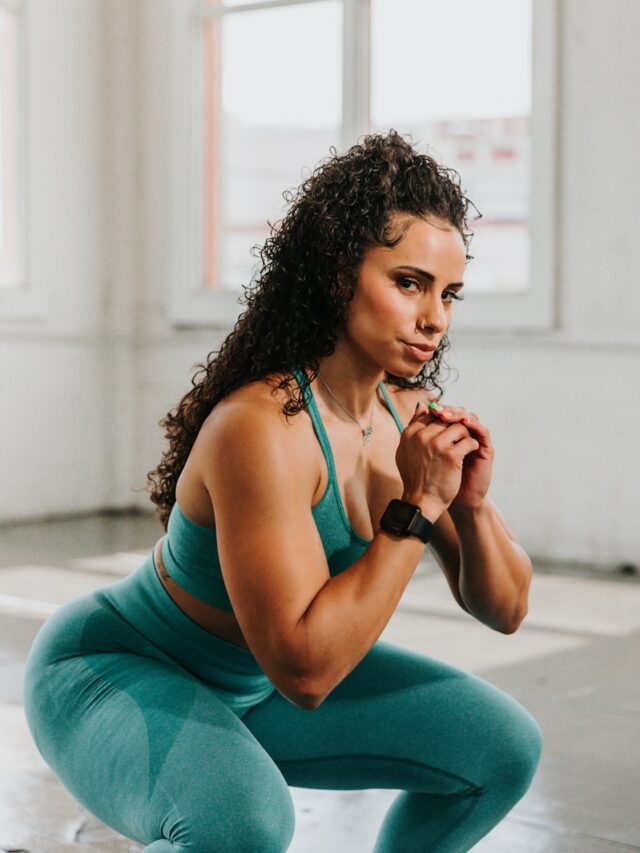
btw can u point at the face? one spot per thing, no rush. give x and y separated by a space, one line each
403 299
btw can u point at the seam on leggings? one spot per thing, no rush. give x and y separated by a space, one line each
447 832
472 788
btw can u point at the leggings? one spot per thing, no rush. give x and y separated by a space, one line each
178 740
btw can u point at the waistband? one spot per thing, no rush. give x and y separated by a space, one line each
231 670
201 611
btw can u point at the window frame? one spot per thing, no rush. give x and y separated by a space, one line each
192 305
20 298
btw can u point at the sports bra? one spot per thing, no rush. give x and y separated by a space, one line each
190 551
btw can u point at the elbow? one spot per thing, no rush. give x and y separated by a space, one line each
306 701
302 691
310 703
514 623
501 622
518 613
302 681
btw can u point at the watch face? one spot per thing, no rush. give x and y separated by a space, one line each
398 516
403 513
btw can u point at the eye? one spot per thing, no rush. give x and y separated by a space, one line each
453 295
406 283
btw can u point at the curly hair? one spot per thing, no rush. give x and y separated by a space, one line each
309 269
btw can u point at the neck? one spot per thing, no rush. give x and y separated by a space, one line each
352 381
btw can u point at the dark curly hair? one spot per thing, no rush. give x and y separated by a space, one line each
309 269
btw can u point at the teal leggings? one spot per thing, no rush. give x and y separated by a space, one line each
177 739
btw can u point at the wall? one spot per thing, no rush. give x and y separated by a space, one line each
567 469
54 370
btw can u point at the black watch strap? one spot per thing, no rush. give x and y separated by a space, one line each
405 519
421 527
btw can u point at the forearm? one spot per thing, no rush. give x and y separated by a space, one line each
349 613
495 571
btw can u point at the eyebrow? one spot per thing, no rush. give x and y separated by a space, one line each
428 275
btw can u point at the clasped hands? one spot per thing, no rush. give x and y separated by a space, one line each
478 464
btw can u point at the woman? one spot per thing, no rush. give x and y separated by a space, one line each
298 493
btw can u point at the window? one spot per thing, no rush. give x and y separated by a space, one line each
9 264
278 109
446 84
270 100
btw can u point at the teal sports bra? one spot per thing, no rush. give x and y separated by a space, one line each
190 551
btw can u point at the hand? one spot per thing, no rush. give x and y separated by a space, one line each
430 460
477 464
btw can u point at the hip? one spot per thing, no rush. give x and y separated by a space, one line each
137 616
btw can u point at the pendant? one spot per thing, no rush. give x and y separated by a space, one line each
366 434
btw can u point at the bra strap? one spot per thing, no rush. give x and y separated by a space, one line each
391 407
318 426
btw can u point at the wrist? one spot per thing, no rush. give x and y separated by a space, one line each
469 513
405 519
430 508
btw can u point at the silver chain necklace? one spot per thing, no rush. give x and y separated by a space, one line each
366 431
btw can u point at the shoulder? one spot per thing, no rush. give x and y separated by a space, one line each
406 399
252 409
250 427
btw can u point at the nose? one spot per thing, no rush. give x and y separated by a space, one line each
433 314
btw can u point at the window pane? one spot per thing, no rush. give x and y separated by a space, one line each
242 2
272 114
8 161
457 76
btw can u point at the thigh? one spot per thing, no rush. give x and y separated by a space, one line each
399 720
154 753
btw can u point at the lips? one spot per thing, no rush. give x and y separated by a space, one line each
421 347
419 352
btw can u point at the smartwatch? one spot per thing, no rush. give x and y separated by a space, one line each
404 519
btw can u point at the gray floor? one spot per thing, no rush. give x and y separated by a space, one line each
574 665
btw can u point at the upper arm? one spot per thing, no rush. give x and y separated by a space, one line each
261 484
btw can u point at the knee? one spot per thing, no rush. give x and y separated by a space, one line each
266 826
517 752
269 830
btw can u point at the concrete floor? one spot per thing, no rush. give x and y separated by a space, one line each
573 664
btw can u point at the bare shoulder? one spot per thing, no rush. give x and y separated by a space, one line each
250 426
262 398
405 399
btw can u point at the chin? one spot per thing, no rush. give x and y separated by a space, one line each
404 371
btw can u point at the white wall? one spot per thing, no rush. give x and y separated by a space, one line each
54 378
84 390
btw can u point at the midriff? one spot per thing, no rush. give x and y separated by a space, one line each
212 619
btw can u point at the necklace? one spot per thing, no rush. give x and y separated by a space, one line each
366 431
